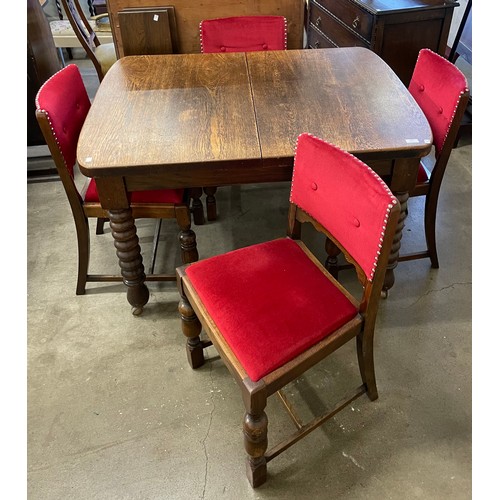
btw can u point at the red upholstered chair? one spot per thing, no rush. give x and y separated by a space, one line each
272 310
243 34
62 104
440 89
240 34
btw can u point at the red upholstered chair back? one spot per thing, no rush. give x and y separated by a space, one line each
437 85
243 34
324 185
64 101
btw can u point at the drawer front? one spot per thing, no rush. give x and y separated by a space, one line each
336 32
316 40
357 19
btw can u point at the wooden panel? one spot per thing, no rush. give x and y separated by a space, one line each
310 87
189 14
148 31
42 63
317 40
394 29
338 33
173 111
351 15
408 39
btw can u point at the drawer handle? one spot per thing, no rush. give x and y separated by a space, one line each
355 22
318 22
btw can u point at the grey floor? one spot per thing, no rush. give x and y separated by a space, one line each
115 412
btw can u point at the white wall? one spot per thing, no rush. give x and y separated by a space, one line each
458 13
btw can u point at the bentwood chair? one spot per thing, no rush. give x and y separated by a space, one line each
441 91
102 55
240 34
272 310
62 104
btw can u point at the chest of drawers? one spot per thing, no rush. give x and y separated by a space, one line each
395 29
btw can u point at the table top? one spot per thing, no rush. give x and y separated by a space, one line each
173 115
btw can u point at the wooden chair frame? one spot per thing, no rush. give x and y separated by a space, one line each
435 171
82 211
194 316
84 32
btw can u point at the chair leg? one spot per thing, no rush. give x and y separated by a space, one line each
364 345
83 237
211 202
100 225
156 240
255 439
430 228
197 206
187 236
191 328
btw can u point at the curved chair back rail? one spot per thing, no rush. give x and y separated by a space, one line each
103 56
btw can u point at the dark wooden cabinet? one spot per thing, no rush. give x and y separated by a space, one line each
41 65
395 29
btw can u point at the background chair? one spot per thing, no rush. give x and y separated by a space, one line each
62 104
103 56
461 56
273 311
440 89
240 34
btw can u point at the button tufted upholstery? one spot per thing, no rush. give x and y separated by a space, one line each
356 224
243 34
437 85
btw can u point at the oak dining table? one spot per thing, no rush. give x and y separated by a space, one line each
187 120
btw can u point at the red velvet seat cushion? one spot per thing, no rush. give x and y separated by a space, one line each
153 196
270 302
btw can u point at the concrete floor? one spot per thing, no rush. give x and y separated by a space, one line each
115 411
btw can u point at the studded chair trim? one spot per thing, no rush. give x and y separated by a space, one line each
358 224
243 34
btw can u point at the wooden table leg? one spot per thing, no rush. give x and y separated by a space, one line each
197 206
129 255
403 179
396 244
211 202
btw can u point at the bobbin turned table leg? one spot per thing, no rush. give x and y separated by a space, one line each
197 206
211 202
403 179
129 255
396 244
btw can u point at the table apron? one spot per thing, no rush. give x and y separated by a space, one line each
401 174
207 177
